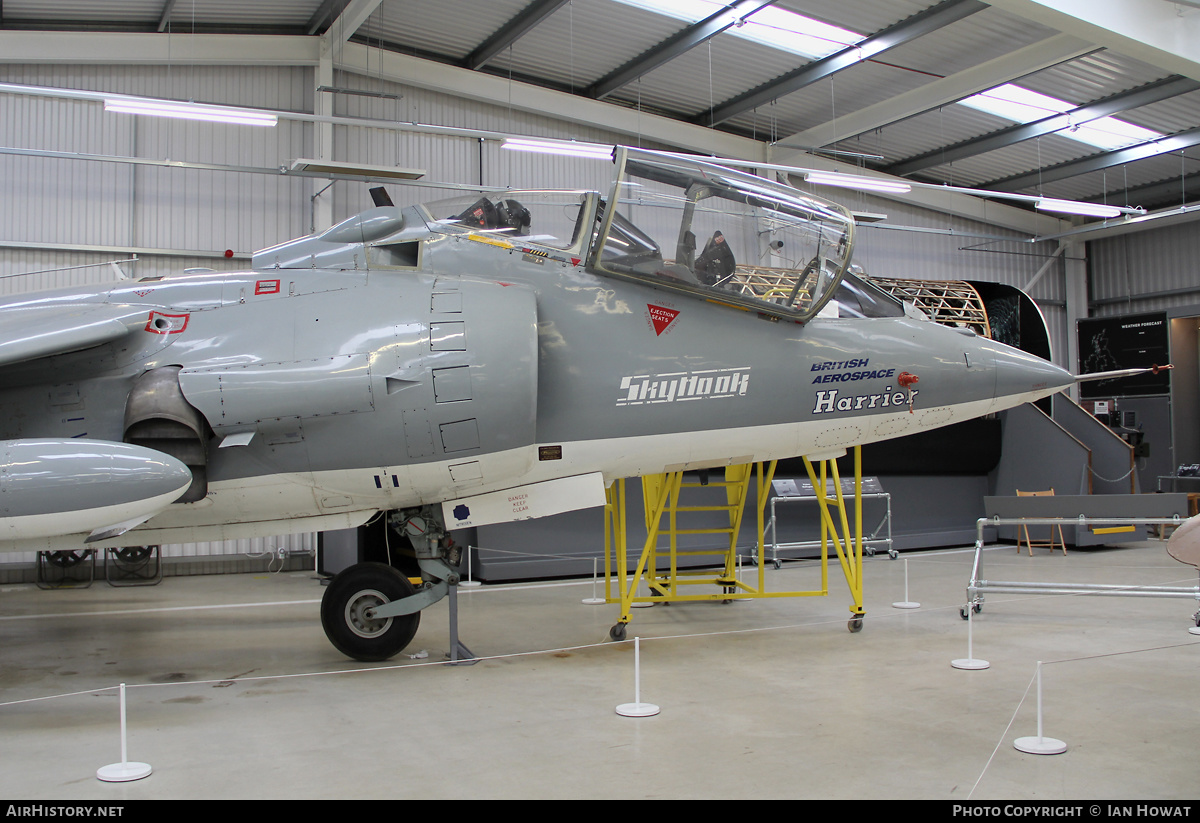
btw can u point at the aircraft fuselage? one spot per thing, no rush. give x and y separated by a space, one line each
334 394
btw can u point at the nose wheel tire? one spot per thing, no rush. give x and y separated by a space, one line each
347 612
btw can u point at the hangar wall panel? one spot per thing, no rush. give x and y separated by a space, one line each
25 269
103 203
1146 271
452 158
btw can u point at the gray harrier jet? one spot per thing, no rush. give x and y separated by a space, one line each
472 361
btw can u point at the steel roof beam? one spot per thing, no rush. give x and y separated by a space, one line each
1040 55
1132 99
164 19
674 46
1096 162
324 12
930 20
351 18
512 31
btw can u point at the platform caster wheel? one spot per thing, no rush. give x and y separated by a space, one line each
617 632
892 553
68 559
347 612
134 554
963 610
778 565
855 625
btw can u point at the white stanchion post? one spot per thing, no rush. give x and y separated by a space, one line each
124 771
594 600
469 583
970 662
1039 744
637 708
906 603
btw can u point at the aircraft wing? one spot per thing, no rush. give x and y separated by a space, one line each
40 331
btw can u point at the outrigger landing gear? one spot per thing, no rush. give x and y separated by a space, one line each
371 611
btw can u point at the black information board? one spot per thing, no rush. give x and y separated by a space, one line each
1130 342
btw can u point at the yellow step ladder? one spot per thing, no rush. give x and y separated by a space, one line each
661 494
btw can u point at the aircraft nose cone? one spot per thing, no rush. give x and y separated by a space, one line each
1022 377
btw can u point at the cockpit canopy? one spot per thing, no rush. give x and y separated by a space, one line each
724 235
690 226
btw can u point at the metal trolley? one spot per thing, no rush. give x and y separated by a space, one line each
1147 510
800 491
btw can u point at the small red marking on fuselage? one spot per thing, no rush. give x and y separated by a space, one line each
661 317
159 323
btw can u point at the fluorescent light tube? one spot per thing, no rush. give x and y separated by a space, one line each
850 181
1075 207
564 147
190 111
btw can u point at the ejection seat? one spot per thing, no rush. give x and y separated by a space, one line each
715 264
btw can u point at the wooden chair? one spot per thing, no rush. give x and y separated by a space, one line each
1023 530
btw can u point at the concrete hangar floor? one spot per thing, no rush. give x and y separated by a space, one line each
234 692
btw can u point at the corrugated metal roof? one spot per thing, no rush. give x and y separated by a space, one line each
1092 77
450 30
585 40
1168 116
969 42
83 10
580 42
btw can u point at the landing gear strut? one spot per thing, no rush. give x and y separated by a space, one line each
371 611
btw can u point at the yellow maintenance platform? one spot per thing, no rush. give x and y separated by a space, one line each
658 564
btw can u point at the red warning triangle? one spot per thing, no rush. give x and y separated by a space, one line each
661 317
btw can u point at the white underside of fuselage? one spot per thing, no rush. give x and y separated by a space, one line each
271 505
